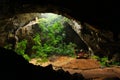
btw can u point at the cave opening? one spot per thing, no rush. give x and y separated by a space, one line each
44 38
16 16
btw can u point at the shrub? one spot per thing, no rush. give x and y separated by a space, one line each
50 40
20 49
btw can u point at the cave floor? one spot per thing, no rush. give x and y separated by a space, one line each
89 68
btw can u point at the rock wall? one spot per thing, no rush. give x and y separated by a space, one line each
103 15
15 67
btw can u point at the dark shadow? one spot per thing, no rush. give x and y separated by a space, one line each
15 67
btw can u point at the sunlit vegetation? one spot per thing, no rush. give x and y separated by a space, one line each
49 40
104 61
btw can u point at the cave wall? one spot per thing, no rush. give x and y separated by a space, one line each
103 15
95 12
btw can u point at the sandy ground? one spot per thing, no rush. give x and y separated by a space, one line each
90 68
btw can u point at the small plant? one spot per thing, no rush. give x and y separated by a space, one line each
26 57
95 57
20 49
104 61
8 46
21 46
38 48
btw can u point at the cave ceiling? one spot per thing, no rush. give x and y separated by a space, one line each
102 14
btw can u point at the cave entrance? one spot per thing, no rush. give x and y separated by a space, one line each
45 38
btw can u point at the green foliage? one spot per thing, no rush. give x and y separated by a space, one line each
20 49
103 61
26 57
95 57
115 63
50 40
38 48
21 46
64 49
8 46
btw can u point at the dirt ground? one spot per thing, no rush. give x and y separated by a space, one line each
89 68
